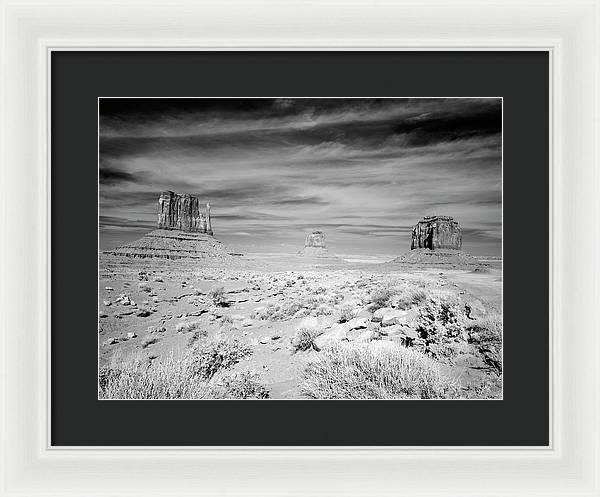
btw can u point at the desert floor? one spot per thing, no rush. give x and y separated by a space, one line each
267 299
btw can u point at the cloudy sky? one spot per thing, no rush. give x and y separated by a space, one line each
361 170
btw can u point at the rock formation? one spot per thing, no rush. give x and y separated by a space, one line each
178 211
315 239
184 231
314 245
436 232
174 244
443 257
437 241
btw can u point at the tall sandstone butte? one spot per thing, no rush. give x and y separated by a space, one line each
177 211
315 239
435 233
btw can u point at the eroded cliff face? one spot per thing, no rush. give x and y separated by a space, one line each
435 233
183 212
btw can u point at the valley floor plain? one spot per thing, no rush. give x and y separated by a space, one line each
273 326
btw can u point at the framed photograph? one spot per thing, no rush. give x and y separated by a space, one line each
288 283
292 249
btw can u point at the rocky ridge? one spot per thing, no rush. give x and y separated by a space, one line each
174 244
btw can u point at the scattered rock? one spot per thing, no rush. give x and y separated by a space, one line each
357 323
121 314
144 313
106 302
131 335
156 329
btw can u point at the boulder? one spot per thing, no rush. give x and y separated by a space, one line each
379 313
335 334
393 317
357 323
312 323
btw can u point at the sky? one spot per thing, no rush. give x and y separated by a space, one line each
363 171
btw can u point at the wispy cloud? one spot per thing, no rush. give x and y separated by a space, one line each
363 170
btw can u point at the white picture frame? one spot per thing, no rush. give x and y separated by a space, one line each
568 30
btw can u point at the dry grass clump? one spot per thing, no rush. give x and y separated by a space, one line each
380 297
346 314
304 340
320 305
144 287
208 358
409 297
217 295
188 326
240 385
360 371
199 373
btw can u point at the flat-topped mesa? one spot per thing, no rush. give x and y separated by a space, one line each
315 239
177 211
435 233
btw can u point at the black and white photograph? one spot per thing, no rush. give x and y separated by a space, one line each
297 248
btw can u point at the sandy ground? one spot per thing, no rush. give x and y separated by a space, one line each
161 293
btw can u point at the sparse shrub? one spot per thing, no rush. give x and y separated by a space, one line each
144 287
241 385
489 388
188 326
411 297
380 297
441 329
134 379
193 375
146 342
312 305
207 358
304 340
217 295
359 371
347 313
107 375
195 337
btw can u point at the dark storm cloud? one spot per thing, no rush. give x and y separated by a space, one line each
108 176
280 166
